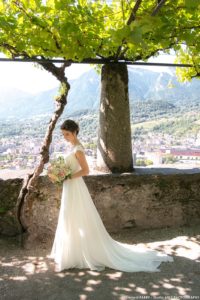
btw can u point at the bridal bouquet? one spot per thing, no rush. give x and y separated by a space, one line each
57 171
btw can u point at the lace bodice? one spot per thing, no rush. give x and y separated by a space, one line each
71 160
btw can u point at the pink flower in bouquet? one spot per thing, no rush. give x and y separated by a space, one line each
58 171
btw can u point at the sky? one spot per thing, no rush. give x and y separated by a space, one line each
29 78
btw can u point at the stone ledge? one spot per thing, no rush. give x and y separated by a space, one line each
122 200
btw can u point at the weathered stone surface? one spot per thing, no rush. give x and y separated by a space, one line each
9 191
147 201
123 201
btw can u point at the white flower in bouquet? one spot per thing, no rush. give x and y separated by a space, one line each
57 171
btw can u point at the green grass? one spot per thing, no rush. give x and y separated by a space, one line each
187 123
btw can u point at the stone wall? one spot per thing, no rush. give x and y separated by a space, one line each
9 191
123 201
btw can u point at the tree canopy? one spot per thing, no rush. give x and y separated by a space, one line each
114 30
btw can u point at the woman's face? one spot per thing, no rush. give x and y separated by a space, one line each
68 135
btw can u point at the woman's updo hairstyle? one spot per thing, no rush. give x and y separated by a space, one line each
70 125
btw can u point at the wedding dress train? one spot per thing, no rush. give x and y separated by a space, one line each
81 240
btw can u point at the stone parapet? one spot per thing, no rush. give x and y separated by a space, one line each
123 201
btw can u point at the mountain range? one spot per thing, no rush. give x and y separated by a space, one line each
84 94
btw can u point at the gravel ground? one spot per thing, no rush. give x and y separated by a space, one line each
30 274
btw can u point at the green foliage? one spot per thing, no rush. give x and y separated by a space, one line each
181 126
3 210
169 159
91 146
55 29
82 29
189 56
143 162
144 110
62 91
180 123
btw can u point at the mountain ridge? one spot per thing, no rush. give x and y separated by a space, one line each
84 94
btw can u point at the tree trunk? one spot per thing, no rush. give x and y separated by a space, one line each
24 201
114 148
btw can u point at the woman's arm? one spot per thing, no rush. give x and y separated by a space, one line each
80 155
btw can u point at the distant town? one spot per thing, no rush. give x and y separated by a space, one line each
163 149
19 157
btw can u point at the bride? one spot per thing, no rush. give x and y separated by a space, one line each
81 240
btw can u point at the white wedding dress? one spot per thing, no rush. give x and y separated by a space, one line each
81 240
